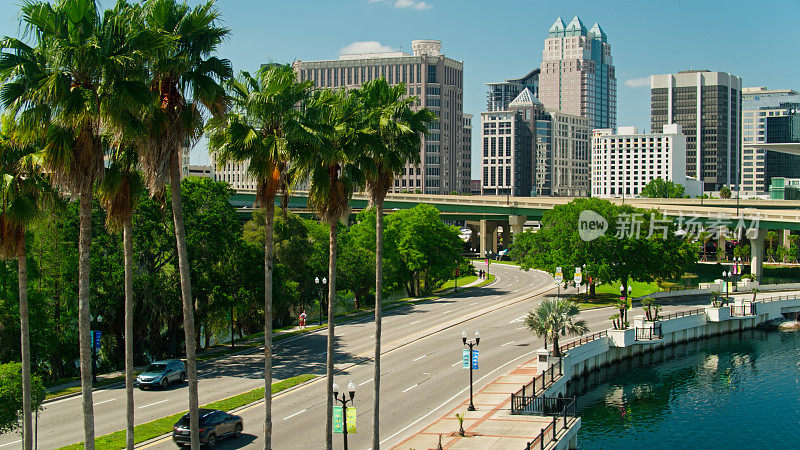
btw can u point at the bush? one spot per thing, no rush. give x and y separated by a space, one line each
11 396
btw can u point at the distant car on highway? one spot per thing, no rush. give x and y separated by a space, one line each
162 374
214 425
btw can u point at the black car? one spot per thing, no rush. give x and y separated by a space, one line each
214 425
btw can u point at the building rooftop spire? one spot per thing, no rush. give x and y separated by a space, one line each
597 32
557 29
525 98
576 27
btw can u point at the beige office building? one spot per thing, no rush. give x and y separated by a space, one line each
438 83
577 75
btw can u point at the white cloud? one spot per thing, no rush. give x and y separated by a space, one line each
406 4
365 47
420 5
638 82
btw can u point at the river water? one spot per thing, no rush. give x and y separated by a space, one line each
739 391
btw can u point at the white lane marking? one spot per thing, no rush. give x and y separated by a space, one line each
295 414
408 389
448 311
11 443
416 321
104 401
507 343
520 328
518 319
417 359
473 303
458 394
361 384
156 403
460 362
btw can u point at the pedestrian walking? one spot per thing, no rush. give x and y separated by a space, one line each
303 319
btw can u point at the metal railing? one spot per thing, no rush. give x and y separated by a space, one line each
520 398
560 421
582 340
649 333
778 298
682 288
679 314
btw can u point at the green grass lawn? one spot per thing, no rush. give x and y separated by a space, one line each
639 289
158 427
462 281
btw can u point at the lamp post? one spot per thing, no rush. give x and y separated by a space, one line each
99 320
624 299
737 267
321 295
586 292
351 388
726 276
488 263
470 344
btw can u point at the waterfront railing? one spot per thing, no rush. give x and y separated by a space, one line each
582 340
680 314
561 421
649 333
521 398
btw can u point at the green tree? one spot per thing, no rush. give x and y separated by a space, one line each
660 188
554 317
11 396
23 192
771 238
398 129
262 128
186 78
89 84
331 165
725 192
638 245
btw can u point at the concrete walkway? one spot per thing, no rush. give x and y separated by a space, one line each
491 426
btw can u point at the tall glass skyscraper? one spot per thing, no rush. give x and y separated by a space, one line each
769 116
577 74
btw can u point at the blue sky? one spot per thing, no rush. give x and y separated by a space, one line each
503 38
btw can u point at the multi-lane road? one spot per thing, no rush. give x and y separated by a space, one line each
421 361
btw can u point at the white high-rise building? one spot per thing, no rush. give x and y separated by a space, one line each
624 162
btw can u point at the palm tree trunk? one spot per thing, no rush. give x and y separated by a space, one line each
186 296
268 249
376 402
331 310
127 244
556 349
27 422
84 318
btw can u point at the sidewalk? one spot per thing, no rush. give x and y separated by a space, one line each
491 426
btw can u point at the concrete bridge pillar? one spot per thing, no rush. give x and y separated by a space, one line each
506 235
757 251
488 236
785 241
516 223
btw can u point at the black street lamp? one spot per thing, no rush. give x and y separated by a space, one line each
488 262
727 277
470 344
351 387
99 320
321 295
625 300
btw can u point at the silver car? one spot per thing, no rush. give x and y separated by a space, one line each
162 374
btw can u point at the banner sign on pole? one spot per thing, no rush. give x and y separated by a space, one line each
465 358
351 420
96 335
578 276
475 359
337 419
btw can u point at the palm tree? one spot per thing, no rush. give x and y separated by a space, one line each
89 84
553 317
264 124
23 191
331 165
704 236
120 190
397 128
186 80
771 237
